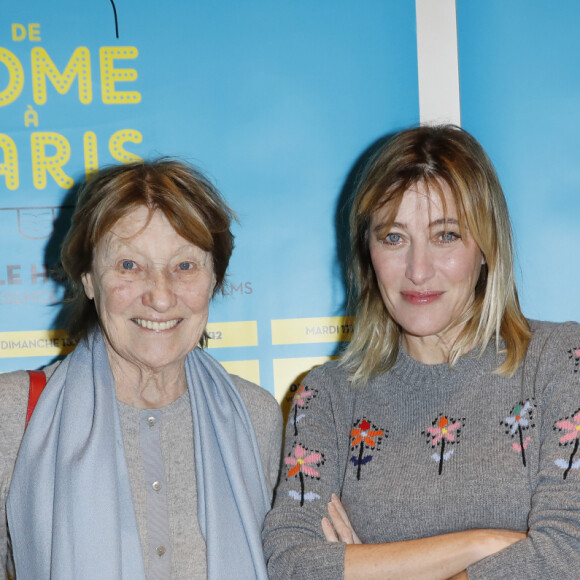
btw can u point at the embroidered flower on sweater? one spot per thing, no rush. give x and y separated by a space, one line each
520 420
302 462
301 400
364 435
571 425
444 430
574 355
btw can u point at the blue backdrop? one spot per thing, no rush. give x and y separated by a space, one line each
276 101
520 97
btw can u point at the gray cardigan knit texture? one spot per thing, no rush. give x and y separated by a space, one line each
188 560
424 450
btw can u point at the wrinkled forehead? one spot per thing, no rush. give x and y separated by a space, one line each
142 225
129 221
132 223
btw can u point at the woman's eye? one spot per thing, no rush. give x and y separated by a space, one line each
392 238
185 266
447 237
128 265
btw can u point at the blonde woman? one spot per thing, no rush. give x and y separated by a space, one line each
450 426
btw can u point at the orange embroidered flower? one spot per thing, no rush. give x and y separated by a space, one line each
363 432
364 435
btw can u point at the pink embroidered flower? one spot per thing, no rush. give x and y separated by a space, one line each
301 462
572 426
301 400
443 430
302 396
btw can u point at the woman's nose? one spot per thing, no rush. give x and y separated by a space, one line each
159 293
420 267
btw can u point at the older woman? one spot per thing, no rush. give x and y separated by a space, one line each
143 457
450 427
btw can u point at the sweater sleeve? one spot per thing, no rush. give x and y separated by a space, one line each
266 417
294 544
13 402
552 548
14 389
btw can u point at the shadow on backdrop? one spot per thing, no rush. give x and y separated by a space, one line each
342 258
342 227
52 264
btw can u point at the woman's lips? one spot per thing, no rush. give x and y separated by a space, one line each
421 298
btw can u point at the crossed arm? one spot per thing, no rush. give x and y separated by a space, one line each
443 557
548 547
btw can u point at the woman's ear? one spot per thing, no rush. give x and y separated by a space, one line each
87 280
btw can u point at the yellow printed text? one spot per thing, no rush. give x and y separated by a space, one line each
35 343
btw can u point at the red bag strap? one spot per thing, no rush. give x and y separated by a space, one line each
37 384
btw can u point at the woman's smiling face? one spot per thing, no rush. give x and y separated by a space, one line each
151 289
426 272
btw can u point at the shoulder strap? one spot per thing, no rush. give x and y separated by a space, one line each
37 384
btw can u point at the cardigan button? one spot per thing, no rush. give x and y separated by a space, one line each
156 485
160 550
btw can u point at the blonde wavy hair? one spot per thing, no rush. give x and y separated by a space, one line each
436 156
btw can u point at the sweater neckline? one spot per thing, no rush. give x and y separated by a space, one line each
412 370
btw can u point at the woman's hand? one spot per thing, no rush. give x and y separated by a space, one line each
340 530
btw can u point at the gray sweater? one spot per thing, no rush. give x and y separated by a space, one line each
424 450
187 547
